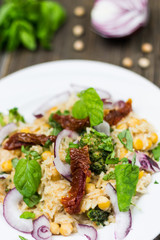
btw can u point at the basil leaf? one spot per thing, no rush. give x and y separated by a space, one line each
28 39
112 161
156 152
156 182
126 139
15 162
22 238
90 105
27 177
124 160
126 182
71 145
27 215
33 200
109 176
30 154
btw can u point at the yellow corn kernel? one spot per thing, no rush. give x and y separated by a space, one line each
133 122
103 203
123 152
7 166
141 173
122 126
54 227
46 125
149 144
90 187
138 144
25 130
88 179
66 229
55 175
53 109
46 155
154 138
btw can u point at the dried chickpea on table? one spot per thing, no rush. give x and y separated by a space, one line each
94 159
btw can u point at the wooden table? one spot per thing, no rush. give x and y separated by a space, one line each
96 48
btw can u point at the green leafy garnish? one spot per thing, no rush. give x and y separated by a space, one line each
22 238
90 105
71 145
65 113
29 22
156 152
126 182
124 160
15 116
109 176
98 216
27 215
15 162
33 200
2 122
48 143
29 154
111 159
155 182
56 126
126 139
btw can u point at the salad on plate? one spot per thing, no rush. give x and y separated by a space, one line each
81 165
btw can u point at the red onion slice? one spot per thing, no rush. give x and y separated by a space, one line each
12 214
114 18
103 128
4 175
6 130
51 102
63 168
102 93
123 219
144 162
41 229
88 231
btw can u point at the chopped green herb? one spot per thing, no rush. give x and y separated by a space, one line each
156 152
15 116
134 159
27 215
109 176
90 105
65 113
98 216
2 122
111 159
22 238
156 182
71 145
126 182
30 154
48 143
15 162
56 126
124 160
33 200
126 139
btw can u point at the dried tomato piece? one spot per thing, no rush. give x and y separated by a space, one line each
25 139
80 164
71 123
114 116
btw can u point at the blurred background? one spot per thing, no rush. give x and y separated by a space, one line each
90 45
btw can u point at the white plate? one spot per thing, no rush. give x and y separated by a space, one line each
28 88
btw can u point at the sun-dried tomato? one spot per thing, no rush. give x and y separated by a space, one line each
26 139
71 123
114 116
80 164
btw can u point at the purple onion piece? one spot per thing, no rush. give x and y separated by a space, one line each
88 231
3 175
12 213
41 229
123 219
6 130
119 104
63 168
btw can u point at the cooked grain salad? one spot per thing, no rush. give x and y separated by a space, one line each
78 167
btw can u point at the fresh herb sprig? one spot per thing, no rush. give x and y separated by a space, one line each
126 139
29 22
156 152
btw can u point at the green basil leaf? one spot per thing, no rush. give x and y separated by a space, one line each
27 215
156 152
22 238
126 139
33 200
109 176
27 177
112 161
126 182
28 39
15 162
91 105
124 160
155 182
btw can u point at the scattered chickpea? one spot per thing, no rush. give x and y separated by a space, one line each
144 62
78 30
66 229
79 11
146 48
54 227
127 62
78 45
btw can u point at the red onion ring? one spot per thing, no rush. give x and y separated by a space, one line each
123 219
4 175
41 229
88 231
6 130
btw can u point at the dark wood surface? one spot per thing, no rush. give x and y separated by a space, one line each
96 48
